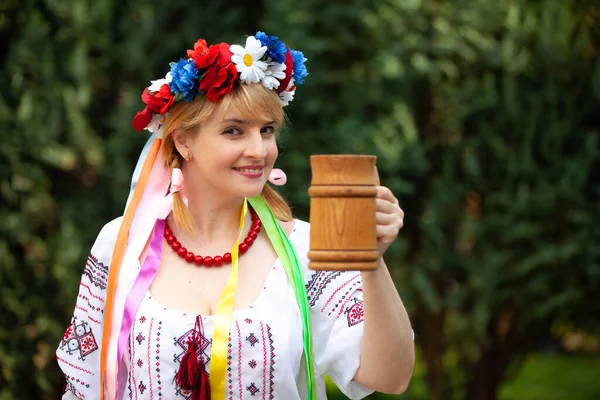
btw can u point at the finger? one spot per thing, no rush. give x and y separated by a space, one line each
386 219
386 194
391 221
385 206
387 233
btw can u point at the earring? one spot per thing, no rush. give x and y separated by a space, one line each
187 157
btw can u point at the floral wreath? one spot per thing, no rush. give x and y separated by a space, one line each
212 70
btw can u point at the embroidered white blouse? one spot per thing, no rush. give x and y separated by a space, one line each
265 344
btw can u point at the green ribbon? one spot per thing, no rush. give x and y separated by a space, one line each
287 255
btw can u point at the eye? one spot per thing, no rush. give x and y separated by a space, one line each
232 131
269 130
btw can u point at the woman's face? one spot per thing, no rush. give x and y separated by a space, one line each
231 154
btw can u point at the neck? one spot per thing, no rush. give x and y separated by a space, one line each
215 215
214 218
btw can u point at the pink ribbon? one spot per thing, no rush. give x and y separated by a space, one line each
176 180
136 294
165 205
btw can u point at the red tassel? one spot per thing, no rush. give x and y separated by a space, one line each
192 375
203 389
188 369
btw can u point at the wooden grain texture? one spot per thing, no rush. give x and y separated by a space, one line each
342 213
342 191
343 223
343 169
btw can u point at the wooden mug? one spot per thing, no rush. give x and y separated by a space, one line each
342 212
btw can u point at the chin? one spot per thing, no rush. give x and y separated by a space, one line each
252 190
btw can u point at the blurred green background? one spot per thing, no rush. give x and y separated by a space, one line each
484 115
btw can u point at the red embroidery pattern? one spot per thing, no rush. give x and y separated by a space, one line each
79 338
96 271
252 339
337 290
346 298
74 366
140 338
82 296
268 361
252 389
148 349
87 344
158 359
272 363
237 325
229 374
317 284
70 387
131 384
264 342
90 292
148 359
355 312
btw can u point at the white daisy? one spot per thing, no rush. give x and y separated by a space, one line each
156 125
273 73
247 60
156 85
287 95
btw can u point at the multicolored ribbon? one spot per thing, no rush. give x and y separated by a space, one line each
284 249
117 260
287 255
222 324
289 259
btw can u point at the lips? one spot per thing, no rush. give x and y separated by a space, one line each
250 171
250 168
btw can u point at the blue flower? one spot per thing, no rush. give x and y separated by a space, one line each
299 68
185 79
275 48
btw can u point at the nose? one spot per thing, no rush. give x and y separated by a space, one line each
256 146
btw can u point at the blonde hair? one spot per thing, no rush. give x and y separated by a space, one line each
254 101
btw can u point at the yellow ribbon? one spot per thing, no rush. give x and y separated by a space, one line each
218 353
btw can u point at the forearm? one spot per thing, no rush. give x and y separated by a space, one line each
387 347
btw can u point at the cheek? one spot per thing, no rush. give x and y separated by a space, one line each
272 152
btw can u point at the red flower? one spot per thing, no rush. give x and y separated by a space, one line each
220 75
224 54
142 119
159 102
203 55
223 82
200 47
289 70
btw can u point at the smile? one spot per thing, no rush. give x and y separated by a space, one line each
249 170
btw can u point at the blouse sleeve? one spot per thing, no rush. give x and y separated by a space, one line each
337 314
78 353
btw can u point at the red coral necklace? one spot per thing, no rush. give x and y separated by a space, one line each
208 261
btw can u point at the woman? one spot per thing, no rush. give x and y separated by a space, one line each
167 307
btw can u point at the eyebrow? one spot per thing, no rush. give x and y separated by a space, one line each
246 122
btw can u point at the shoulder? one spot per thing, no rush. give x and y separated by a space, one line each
110 230
105 241
299 234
